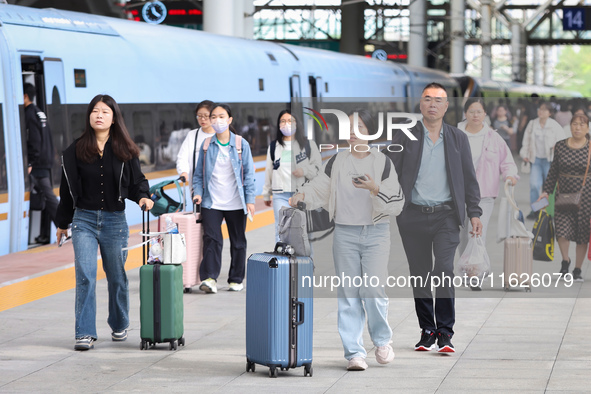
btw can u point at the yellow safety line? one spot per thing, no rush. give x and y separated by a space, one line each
33 289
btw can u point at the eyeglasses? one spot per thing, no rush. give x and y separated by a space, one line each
283 121
437 100
202 117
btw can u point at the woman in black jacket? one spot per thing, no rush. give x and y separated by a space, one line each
100 170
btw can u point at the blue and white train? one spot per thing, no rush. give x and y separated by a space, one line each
157 74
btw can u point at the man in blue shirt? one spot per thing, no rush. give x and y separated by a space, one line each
437 176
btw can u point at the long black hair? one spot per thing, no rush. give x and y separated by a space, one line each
366 118
298 132
123 146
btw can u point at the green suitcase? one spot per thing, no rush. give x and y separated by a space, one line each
161 304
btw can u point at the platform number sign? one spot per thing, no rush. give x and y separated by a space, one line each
576 18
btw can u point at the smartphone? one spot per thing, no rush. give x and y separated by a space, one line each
249 216
358 179
543 203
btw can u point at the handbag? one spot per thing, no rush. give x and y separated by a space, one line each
174 250
569 202
543 244
510 222
36 197
319 224
525 167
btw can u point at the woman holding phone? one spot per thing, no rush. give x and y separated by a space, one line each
568 170
360 190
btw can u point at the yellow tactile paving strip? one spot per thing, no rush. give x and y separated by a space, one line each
33 289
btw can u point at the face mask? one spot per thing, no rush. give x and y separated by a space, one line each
220 126
286 130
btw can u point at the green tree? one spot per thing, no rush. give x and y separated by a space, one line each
573 70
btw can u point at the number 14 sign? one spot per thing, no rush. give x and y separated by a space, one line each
576 18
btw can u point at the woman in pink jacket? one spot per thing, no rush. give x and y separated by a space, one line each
491 157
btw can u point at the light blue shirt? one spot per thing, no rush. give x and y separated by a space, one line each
432 187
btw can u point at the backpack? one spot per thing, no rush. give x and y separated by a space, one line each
163 203
293 229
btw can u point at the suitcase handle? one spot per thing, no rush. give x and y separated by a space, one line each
145 214
301 307
301 205
196 210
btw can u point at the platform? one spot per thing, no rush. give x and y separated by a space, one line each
505 342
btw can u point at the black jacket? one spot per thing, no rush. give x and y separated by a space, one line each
39 139
461 175
132 184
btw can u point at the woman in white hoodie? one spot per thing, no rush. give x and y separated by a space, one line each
359 188
292 160
541 134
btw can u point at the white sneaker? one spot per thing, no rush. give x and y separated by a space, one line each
357 364
208 286
384 354
236 287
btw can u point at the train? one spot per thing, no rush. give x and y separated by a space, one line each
157 74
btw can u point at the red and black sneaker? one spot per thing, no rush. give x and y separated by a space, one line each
444 343
427 341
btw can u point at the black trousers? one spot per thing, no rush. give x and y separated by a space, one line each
425 236
213 243
51 203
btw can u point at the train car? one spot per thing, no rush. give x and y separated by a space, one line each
487 88
157 74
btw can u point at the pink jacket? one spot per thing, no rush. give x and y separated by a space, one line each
496 159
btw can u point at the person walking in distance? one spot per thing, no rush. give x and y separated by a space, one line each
40 158
438 179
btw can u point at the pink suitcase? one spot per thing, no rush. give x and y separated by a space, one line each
189 223
518 263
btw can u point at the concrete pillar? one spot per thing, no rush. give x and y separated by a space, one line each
238 12
248 19
485 39
518 53
538 67
352 28
458 43
218 17
549 65
417 42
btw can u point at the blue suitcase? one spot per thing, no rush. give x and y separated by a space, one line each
279 309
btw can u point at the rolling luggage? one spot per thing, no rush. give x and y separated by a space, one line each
161 301
189 223
279 311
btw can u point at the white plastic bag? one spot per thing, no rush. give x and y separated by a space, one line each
474 261
174 249
510 221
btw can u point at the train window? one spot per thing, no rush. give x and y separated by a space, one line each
261 84
393 91
3 170
326 87
79 78
272 58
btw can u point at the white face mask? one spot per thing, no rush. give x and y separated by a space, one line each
286 130
220 126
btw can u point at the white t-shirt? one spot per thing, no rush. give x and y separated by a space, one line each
285 167
476 143
222 186
353 205
539 141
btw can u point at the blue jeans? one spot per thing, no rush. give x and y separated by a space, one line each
359 251
280 200
539 172
109 230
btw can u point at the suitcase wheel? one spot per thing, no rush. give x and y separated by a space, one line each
187 290
272 372
182 341
308 370
528 289
144 344
173 345
250 366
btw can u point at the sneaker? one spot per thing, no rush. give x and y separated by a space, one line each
119 336
532 215
357 364
208 286
444 343
236 287
84 343
564 268
427 341
577 275
384 354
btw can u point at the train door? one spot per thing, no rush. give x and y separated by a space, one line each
4 206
